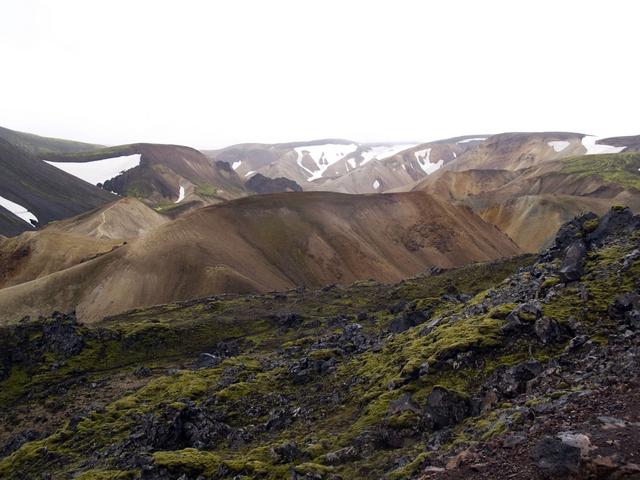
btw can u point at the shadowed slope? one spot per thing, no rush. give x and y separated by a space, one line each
47 192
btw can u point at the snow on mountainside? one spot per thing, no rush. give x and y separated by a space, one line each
18 211
98 171
315 159
589 142
558 145
380 152
424 160
180 195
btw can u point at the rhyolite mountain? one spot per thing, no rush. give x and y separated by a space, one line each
177 179
529 204
165 174
343 165
198 324
523 368
254 244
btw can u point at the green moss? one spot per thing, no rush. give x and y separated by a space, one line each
619 168
108 475
206 190
463 335
501 311
590 225
364 384
323 354
402 420
189 460
235 391
30 453
14 386
313 469
411 469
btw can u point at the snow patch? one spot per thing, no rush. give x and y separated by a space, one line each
383 151
424 160
423 154
558 145
352 162
98 171
250 172
589 142
235 165
454 155
18 210
323 156
477 139
180 195
429 168
376 184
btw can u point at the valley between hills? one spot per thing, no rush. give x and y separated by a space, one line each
459 308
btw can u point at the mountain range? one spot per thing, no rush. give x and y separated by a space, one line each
108 229
320 310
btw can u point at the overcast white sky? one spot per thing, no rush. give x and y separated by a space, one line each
212 73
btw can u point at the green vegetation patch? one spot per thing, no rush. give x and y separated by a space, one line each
618 168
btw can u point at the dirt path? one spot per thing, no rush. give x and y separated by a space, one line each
101 233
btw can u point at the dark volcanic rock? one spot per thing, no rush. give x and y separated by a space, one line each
181 425
402 404
569 233
626 309
409 317
285 453
288 320
512 381
207 360
548 330
615 220
571 268
445 408
555 458
16 441
260 184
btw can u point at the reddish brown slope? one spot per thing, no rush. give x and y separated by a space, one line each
267 242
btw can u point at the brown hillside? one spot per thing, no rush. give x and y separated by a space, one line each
162 171
126 218
69 242
263 243
530 204
513 151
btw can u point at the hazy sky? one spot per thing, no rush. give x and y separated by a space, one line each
212 73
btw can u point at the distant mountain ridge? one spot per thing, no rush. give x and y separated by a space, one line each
48 193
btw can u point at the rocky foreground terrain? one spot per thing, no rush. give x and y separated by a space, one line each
517 369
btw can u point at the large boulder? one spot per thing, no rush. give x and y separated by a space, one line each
445 408
616 220
568 233
547 330
571 268
626 309
512 381
555 458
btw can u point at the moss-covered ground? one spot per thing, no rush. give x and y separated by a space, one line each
345 405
